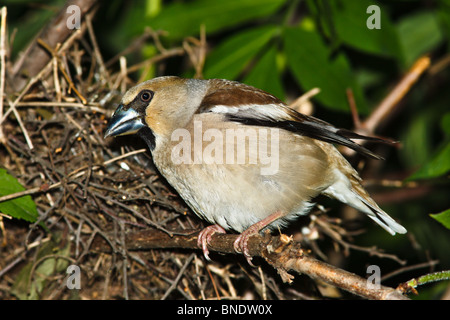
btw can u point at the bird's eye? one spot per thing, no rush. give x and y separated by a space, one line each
146 95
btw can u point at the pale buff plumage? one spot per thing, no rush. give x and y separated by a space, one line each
240 196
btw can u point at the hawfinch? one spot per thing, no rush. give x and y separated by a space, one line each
241 158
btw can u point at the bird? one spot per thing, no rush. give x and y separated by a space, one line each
241 158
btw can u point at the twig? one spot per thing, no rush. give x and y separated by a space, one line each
197 55
39 104
387 105
303 104
41 73
440 65
411 285
177 279
124 260
12 107
373 251
353 108
337 277
390 101
409 268
166 54
135 45
34 58
75 174
57 61
102 69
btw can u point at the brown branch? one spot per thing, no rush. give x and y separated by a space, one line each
391 100
289 259
281 252
388 104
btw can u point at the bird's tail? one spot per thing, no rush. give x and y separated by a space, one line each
351 192
376 213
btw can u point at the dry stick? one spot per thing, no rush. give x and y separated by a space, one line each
372 251
166 54
302 104
198 56
340 278
388 104
123 73
21 125
56 81
57 31
391 100
121 79
103 71
41 73
279 251
54 53
440 65
2 83
38 104
135 45
125 260
427 264
34 79
177 279
353 108
74 174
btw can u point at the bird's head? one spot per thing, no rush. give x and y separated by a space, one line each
154 108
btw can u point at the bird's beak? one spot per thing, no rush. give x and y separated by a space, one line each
124 122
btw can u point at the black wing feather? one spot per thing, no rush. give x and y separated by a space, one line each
309 127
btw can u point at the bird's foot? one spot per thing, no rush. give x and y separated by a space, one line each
204 238
241 243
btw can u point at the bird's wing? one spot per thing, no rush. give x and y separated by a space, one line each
254 107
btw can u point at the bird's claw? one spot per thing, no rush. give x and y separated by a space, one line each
204 238
241 245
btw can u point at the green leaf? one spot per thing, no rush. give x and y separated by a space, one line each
436 167
230 58
443 218
265 74
313 65
417 138
33 278
350 20
20 208
31 20
183 19
445 123
419 34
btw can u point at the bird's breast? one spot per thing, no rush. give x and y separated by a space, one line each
237 175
